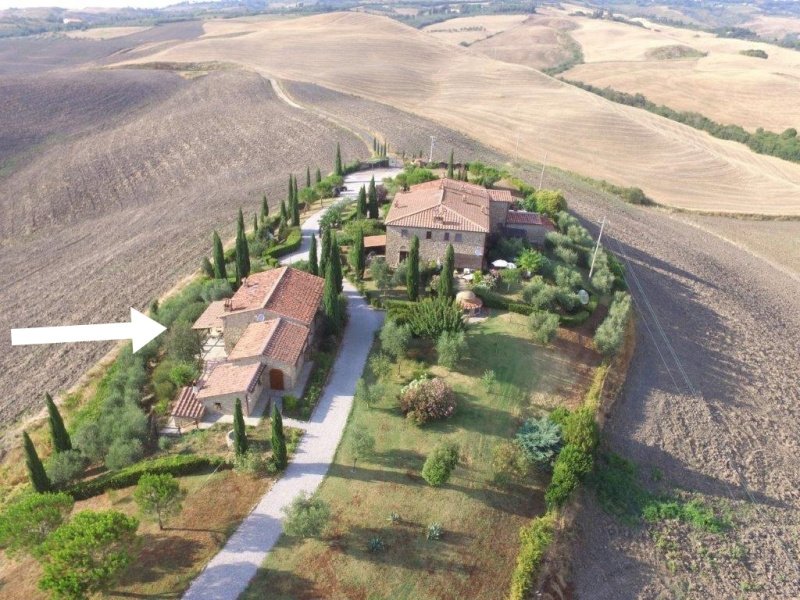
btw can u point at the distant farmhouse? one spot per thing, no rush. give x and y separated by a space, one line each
446 211
268 328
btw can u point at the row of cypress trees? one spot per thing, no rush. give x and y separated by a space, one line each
379 149
446 284
241 444
61 443
367 202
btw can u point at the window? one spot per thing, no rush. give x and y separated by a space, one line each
404 233
446 236
428 235
458 237
218 406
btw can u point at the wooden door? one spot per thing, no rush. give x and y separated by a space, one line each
276 379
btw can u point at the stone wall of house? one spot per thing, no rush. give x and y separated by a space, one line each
228 401
472 245
533 233
497 215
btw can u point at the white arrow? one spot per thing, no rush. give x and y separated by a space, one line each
140 330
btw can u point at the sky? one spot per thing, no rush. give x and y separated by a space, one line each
75 4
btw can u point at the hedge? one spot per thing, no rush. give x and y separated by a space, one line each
292 243
534 537
398 310
177 464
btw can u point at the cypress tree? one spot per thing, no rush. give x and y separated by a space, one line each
335 263
374 145
58 433
295 206
219 258
36 472
361 206
313 264
412 275
317 176
290 197
337 163
446 278
450 166
255 224
239 434
279 453
242 250
238 274
372 196
308 177
207 267
264 210
325 252
357 258
284 212
330 302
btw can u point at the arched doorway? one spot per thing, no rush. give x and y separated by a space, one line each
276 379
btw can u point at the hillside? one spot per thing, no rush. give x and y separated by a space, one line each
512 107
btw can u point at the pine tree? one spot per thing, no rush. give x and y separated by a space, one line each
295 206
335 261
264 210
450 166
242 250
313 264
240 443
325 252
446 277
36 472
308 177
361 206
317 176
412 274
58 433
357 258
337 164
372 196
330 302
284 211
219 258
279 453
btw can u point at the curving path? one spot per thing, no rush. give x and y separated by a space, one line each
230 571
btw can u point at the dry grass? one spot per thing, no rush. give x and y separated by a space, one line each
772 26
471 29
671 162
723 85
104 33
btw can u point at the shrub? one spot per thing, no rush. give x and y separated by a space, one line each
509 462
431 317
63 468
611 332
294 238
440 463
535 537
530 261
450 348
395 339
539 294
123 452
568 278
559 415
305 517
380 365
570 467
543 326
254 463
540 440
290 402
567 299
178 464
376 544
488 379
182 343
580 429
566 255
425 400
434 531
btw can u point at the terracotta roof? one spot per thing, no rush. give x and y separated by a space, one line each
187 405
276 339
285 291
374 241
231 378
211 317
445 204
521 217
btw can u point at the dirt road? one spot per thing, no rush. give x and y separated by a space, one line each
711 402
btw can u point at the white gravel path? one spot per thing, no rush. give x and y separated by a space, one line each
230 571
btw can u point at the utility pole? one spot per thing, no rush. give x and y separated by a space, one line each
596 247
541 177
430 157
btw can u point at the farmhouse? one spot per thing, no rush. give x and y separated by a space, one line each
446 211
268 328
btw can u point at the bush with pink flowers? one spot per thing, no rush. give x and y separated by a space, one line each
425 400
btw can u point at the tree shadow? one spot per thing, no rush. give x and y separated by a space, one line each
159 555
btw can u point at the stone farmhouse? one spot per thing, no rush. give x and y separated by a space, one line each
446 211
268 328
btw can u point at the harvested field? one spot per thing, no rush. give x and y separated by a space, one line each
468 30
104 33
97 223
674 164
723 84
771 26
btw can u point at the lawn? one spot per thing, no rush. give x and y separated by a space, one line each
481 520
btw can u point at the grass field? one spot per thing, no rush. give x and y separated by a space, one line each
476 554
511 107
